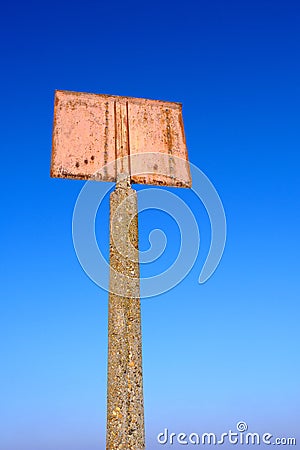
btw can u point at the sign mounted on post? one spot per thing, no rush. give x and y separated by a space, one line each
92 131
125 140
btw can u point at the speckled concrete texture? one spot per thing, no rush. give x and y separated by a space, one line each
125 405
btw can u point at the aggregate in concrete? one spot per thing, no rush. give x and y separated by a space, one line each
125 406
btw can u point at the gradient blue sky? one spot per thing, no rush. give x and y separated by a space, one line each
213 354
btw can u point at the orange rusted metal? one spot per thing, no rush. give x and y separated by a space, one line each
93 131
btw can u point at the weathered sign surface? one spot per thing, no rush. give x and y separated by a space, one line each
93 131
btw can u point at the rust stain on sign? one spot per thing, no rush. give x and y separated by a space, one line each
99 137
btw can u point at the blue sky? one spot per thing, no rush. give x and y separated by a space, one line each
213 354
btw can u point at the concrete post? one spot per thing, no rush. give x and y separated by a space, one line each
125 407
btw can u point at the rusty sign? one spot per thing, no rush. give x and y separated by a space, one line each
99 136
